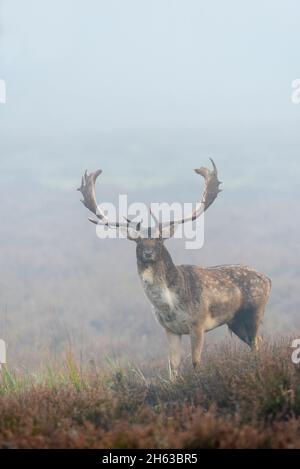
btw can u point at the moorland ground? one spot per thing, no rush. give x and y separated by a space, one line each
238 399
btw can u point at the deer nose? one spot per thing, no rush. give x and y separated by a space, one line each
148 254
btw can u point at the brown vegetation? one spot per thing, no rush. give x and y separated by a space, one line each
237 400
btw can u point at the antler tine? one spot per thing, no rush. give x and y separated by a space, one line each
214 166
156 221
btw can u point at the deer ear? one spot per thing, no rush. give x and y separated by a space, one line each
133 235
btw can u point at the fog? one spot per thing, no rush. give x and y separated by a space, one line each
147 91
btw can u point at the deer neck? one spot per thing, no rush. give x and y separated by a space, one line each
161 272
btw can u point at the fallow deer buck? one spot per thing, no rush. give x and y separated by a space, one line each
189 299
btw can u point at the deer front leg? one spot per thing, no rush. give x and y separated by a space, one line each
197 339
174 342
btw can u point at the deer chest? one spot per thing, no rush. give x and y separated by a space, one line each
165 304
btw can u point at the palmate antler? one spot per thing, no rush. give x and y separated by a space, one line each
88 191
211 190
210 193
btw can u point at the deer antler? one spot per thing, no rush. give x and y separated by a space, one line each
88 191
210 193
211 190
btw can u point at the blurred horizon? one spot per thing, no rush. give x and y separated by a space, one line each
147 91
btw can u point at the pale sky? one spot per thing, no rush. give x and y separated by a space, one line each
134 85
92 65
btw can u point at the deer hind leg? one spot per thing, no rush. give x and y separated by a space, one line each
245 325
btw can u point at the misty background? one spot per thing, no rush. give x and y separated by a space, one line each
147 91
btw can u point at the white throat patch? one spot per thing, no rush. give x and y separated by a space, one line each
147 276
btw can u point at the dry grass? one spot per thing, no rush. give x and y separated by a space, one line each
238 400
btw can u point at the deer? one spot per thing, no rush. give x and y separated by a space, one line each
189 299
